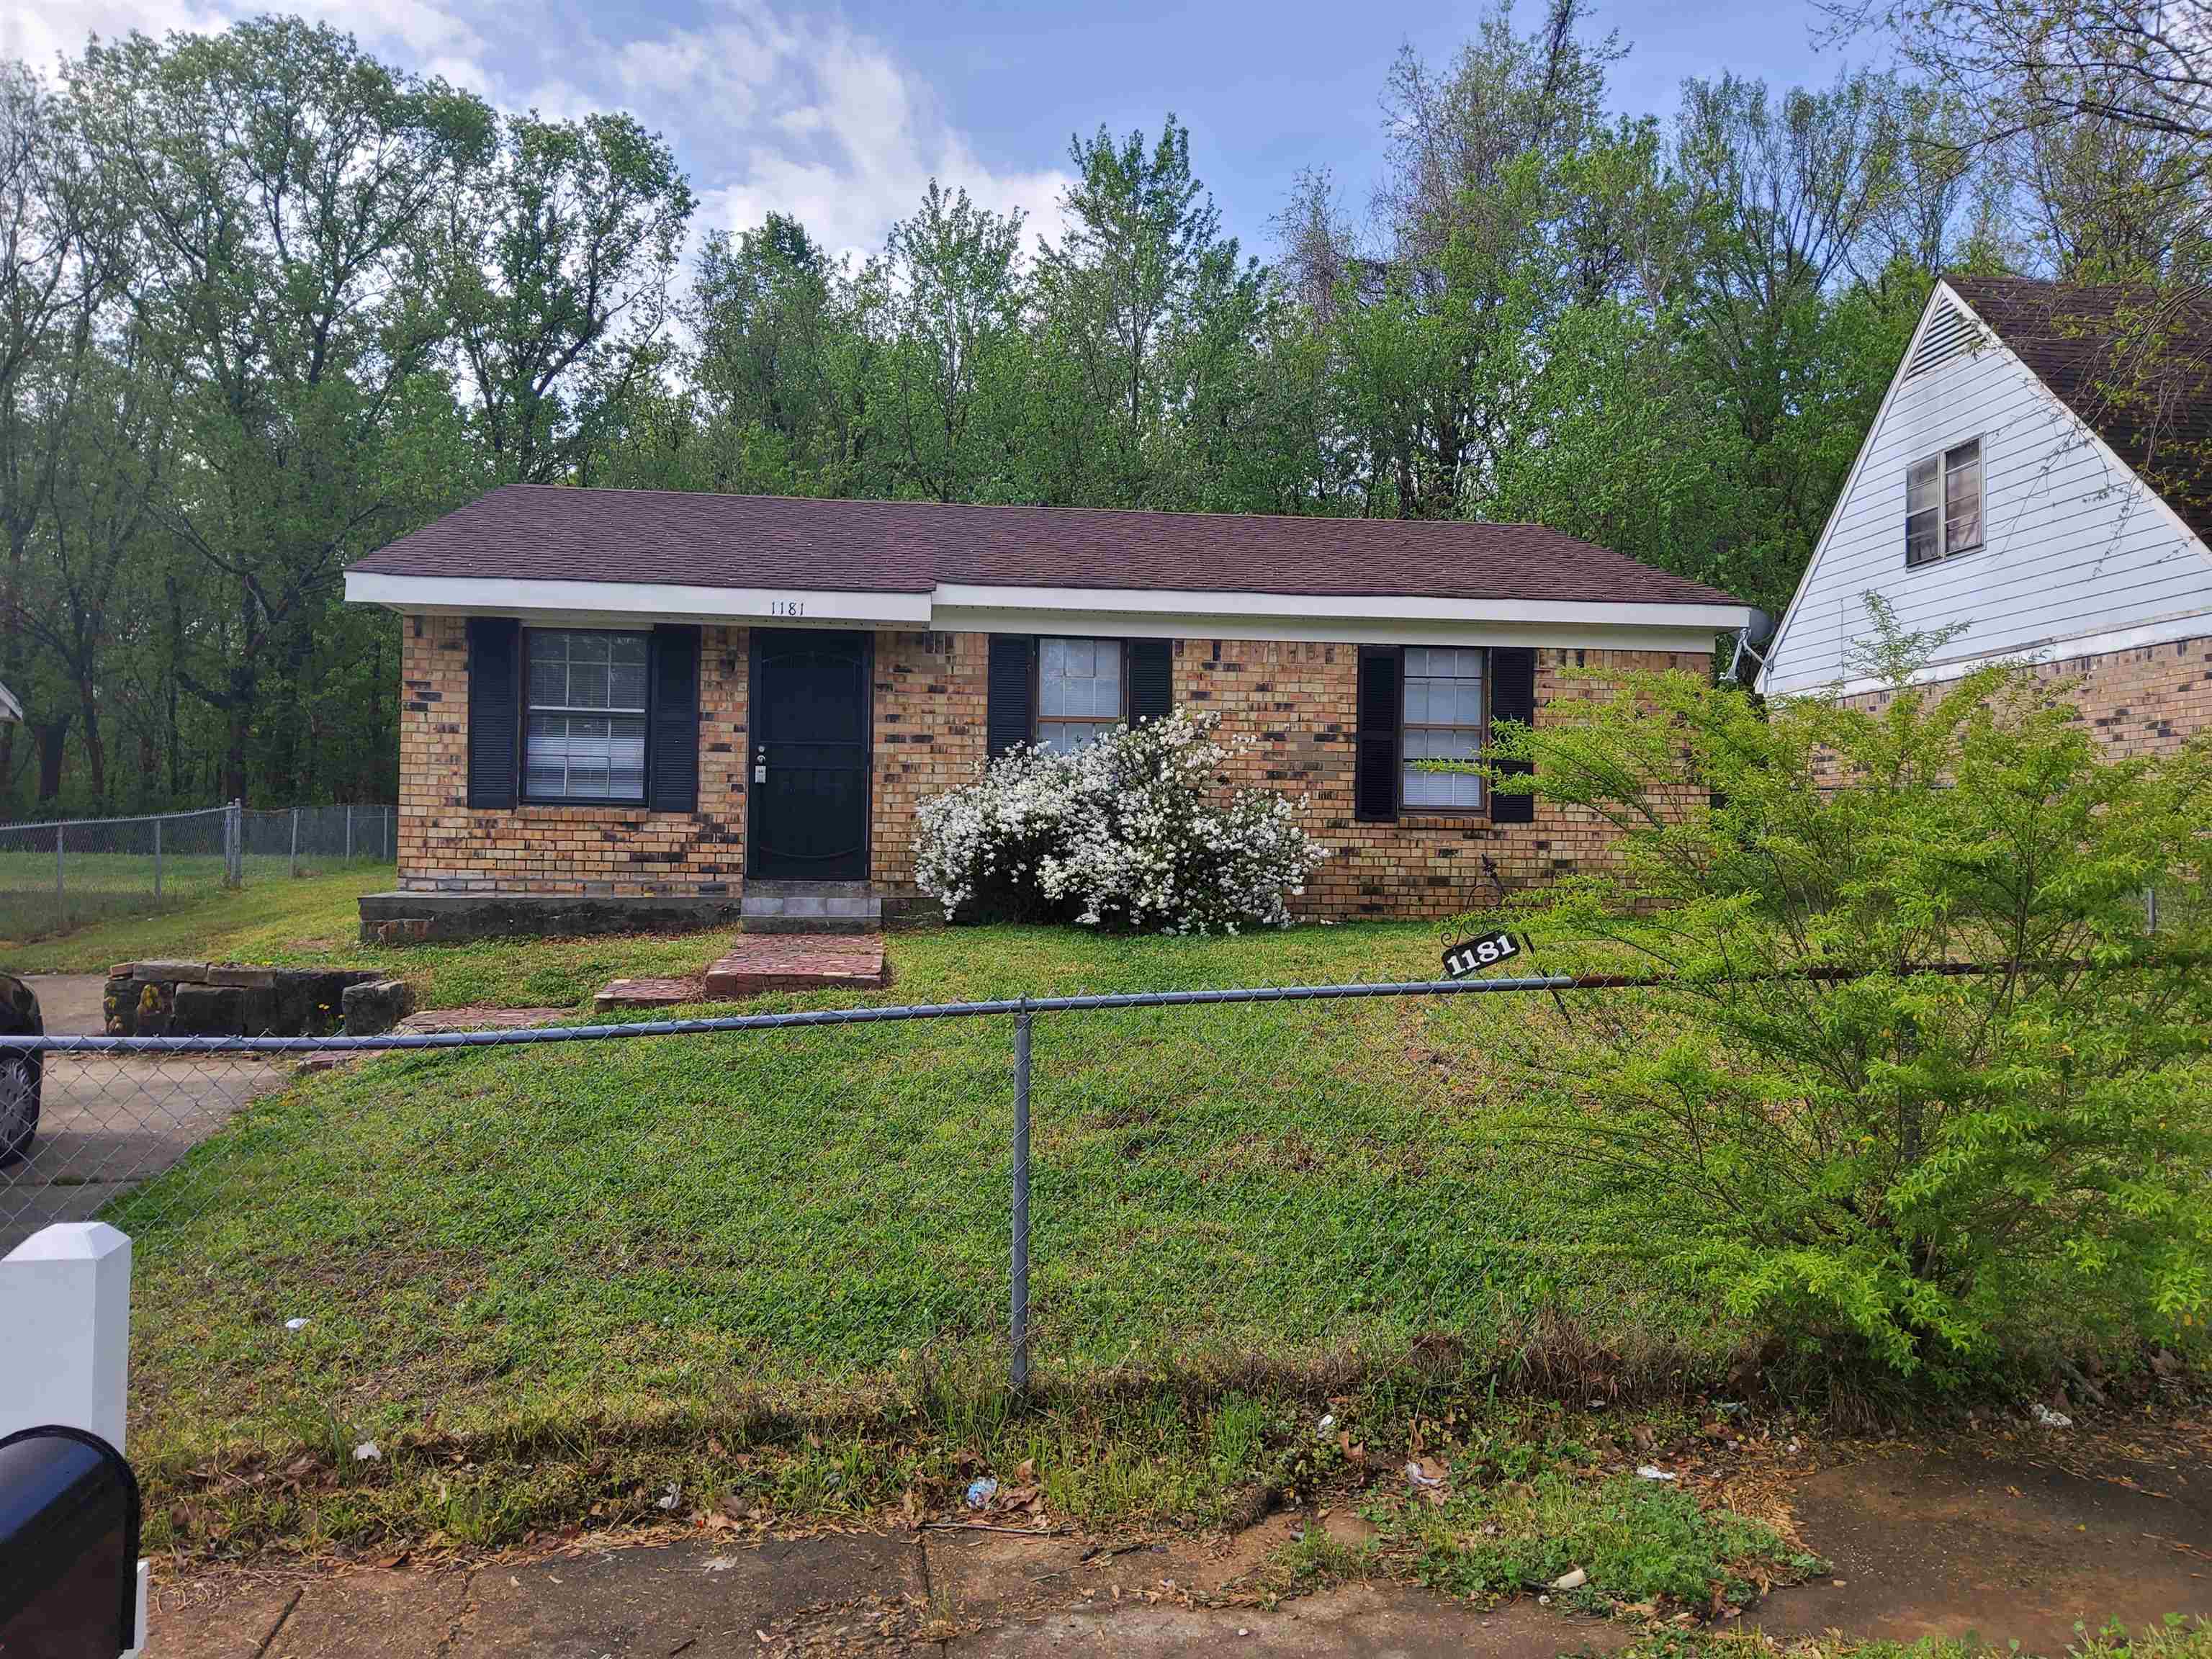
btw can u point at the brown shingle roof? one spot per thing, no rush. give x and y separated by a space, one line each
548 533
2134 366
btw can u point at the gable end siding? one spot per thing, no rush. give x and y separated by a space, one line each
2074 543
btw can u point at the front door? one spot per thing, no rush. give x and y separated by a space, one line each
808 820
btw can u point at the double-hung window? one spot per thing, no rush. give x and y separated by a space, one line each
1078 691
1444 721
584 727
1943 504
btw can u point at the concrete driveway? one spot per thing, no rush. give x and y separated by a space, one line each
109 1121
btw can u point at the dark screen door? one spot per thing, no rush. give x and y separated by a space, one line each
809 756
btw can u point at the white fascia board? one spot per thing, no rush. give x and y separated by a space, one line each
1259 615
1327 630
9 709
2164 630
1123 612
631 602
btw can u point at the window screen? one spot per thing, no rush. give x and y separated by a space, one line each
583 734
1078 691
1444 721
1962 497
1943 504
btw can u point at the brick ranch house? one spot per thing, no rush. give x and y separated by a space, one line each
627 709
2009 493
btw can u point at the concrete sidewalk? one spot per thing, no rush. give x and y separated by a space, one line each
2003 1546
109 1121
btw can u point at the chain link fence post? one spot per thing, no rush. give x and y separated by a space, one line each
292 867
157 861
61 883
1019 1323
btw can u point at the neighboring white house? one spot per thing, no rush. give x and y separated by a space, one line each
2005 491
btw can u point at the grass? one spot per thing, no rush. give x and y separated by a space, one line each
110 913
1535 1501
584 1265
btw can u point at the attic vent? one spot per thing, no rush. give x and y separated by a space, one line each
1949 333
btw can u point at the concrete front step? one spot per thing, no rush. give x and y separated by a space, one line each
761 963
811 906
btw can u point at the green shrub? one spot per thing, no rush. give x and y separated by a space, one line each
1827 1128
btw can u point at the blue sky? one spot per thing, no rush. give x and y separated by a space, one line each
840 113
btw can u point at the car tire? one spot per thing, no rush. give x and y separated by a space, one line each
21 1074
18 1106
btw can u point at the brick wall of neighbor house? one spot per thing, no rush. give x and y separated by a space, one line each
610 850
1300 702
2148 701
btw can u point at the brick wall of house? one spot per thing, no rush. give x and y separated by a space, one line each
1295 703
930 735
614 850
1299 703
2148 701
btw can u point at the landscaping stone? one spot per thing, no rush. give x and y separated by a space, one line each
198 999
479 1018
373 1008
207 1011
761 963
230 973
645 993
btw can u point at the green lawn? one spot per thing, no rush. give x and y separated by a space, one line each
655 1240
109 895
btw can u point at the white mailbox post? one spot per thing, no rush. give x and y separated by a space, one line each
65 1305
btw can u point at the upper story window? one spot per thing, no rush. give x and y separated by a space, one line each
1078 691
1444 716
1943 504
583 735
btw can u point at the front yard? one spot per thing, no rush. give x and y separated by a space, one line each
670 1242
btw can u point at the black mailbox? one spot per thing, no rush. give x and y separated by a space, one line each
68 1547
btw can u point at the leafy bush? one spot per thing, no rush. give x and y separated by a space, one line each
1827 1126
1130 830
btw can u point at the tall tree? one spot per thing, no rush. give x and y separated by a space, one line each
558 257
1146 306
956 279
49 287
280 186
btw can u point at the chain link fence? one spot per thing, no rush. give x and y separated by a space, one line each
61 875
813 1207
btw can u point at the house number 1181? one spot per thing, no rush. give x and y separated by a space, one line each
786 607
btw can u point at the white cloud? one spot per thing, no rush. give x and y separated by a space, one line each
803 115
770 109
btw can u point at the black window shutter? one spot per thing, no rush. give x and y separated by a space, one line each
672 738
1513 697
1151 679
1006 716
1374 763
495 710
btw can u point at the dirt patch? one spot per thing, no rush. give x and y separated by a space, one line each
2018 1538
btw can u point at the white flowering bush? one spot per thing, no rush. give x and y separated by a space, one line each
1130 831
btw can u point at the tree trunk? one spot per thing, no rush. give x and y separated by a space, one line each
96 751
51 737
